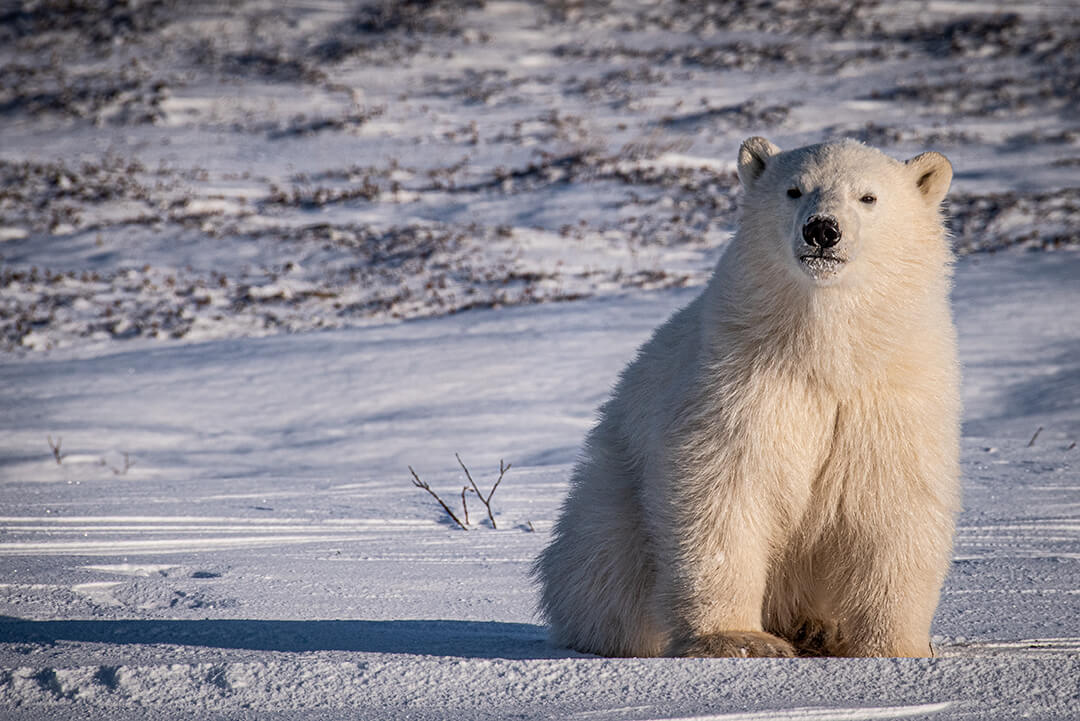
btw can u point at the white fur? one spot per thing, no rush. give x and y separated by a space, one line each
776 471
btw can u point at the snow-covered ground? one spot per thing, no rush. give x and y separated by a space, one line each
212 222
211 170
266 552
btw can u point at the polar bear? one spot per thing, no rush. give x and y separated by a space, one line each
776 473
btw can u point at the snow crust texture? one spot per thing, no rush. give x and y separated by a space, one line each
264 551
215 220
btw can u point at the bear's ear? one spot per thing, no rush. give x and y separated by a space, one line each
753 155
933 174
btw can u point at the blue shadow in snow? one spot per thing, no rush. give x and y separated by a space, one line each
469 639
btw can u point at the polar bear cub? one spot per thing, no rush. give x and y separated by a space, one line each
776 473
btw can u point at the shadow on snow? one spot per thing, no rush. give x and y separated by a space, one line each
469 639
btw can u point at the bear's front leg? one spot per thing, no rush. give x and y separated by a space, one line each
712 572
891 588
893 623
714 606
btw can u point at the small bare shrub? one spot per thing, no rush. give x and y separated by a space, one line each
471 488
56 449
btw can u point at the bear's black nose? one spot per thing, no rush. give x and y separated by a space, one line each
821 231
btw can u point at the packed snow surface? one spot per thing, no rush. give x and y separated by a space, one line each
232 526
258 259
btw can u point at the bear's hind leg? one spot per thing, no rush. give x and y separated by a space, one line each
597 572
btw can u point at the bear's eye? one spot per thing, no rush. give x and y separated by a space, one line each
869 199
794 193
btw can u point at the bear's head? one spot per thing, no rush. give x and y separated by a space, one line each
829 212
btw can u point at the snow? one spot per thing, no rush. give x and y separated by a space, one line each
256 262
266 551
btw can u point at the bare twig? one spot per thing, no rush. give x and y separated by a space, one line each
421 484
502 471
1032 441
475 489
465 490
56 449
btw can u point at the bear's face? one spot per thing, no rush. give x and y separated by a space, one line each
825 211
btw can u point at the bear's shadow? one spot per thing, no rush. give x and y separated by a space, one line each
468 639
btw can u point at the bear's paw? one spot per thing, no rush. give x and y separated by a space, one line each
736 644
